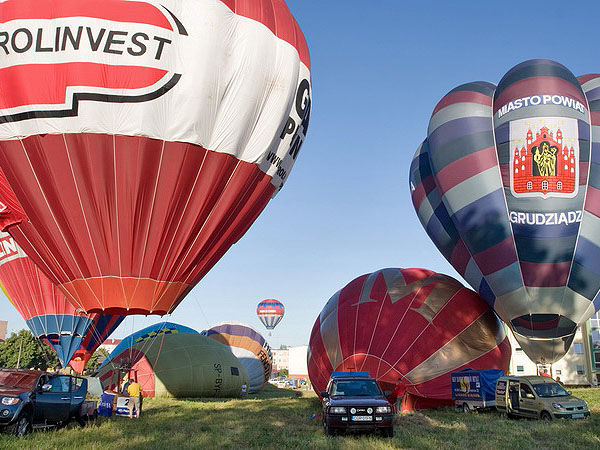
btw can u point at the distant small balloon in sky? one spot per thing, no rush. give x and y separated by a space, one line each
270 312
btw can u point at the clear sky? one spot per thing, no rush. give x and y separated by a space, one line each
378 69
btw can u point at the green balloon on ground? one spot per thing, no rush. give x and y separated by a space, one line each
178 365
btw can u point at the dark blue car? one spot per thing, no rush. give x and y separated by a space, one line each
33 398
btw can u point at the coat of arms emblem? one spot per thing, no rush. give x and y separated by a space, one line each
544 158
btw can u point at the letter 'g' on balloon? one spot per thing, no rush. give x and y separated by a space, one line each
507 186
143 139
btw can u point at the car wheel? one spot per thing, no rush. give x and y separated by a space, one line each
21 427
545 415
466 408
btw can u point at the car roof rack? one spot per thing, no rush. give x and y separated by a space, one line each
350 374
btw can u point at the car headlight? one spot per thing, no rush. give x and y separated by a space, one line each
10 400
383 410
337 410
558 406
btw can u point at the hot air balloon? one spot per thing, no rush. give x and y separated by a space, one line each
170 360
410 324
506 186
48 314
143 140
270 312
249 347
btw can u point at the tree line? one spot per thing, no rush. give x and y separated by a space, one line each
23 350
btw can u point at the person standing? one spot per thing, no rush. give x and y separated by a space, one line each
135 394
399 392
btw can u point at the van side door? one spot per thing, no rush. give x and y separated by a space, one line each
513 396
528 405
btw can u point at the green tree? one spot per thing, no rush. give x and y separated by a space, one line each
97 358
27 352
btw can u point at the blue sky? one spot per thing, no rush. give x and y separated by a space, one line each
378 69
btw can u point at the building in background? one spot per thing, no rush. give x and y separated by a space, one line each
110 344
3 329
581 364
298 367
281 359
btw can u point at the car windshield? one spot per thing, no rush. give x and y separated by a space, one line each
22 380
364 388
550 390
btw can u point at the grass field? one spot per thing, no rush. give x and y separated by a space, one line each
278 418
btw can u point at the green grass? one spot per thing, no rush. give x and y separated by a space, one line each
277 418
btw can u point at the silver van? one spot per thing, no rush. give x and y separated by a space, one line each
538 398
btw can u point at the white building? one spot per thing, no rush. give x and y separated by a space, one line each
281 359
575 368
110 344
298 362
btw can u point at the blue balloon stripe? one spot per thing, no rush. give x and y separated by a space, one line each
440 237
505 280
458 128
545 231
486 293
456 149
584 281
100 330
594 177
502 133
545 250
488 208
584 131
596 153
57 324
235 329
593 95
588 255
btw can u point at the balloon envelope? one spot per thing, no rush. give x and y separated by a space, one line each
140 160
48 314
506 185
270 312
412 324
249 346
174 361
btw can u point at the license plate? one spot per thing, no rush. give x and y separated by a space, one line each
362 418
577 416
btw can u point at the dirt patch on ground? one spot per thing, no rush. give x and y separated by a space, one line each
415 418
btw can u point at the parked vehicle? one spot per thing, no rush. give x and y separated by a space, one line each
354 401
539 398
475 389
36 399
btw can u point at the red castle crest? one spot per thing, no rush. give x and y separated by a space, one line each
545 166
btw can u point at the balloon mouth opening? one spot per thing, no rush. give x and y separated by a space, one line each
543 326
